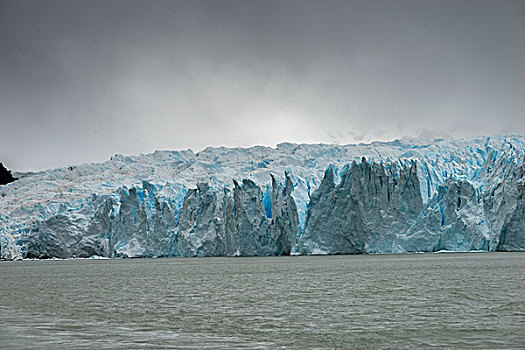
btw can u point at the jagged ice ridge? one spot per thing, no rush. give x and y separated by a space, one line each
385 197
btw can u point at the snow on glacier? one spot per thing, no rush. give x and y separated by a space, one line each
75 192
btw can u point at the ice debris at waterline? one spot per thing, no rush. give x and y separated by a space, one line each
385 197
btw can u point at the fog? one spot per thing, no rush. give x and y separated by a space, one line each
83 80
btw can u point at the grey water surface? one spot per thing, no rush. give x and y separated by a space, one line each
460 300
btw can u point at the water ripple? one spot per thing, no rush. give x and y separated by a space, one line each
374 301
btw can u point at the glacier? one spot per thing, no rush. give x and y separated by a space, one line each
409 195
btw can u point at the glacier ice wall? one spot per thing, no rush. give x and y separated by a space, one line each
383 197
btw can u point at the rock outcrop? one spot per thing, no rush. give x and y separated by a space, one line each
5 175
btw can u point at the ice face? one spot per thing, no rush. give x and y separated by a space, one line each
383 197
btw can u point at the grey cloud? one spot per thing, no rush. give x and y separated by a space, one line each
82 80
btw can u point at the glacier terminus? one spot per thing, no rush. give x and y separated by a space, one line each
410 195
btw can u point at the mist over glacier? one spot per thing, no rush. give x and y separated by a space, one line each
414 195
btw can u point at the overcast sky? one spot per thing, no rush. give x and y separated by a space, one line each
83 80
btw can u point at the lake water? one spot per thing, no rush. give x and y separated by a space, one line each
470 300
